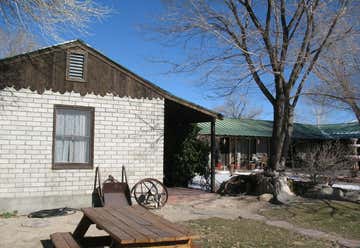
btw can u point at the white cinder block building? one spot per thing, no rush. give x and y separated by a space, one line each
66 109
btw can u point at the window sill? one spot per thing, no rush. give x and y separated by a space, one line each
72 166
76 80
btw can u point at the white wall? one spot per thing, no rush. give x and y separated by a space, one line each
127 132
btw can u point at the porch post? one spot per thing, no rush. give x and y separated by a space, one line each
213 155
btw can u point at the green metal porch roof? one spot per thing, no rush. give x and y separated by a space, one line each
262 128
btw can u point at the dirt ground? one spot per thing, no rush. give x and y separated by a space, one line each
23 232
214 206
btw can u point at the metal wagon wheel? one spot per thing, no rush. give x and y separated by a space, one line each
150 193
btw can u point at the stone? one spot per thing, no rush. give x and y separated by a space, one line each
35 223
285 195
326 190
338 193
352 196
298 243
266 197
320 191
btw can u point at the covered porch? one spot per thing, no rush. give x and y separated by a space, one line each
240 153
179 114
240 144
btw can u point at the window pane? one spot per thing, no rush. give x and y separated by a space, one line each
69 123
60 123
82 124
62 148
72 137
81 152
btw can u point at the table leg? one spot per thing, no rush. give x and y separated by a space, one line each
82 228
96 241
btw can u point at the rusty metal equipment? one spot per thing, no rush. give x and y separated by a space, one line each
150 193
111 193
97 196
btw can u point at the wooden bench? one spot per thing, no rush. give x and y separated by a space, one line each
63 240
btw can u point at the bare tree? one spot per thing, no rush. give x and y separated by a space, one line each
271 44
313 113
338 70
238 107
50 19
324 160
339 85
15 43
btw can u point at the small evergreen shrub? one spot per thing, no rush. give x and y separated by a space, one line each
190 156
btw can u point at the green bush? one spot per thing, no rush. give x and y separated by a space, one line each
190 156
7 215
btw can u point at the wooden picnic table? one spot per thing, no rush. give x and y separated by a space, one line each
131 226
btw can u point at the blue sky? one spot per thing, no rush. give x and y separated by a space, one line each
121 37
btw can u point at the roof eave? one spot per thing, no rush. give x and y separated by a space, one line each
152 86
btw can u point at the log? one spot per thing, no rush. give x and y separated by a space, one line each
255 184
258 184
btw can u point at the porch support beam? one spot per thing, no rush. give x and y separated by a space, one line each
213 156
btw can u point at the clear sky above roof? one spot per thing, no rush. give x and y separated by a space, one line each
122 38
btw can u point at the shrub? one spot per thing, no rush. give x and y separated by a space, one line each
323 160
190 157
7 215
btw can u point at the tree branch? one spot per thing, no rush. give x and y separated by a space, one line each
285 36
304 49
316 56
264 33
248 58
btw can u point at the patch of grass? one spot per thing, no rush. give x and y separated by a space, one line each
216 232
342 218
7 215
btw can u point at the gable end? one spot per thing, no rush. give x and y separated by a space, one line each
86 73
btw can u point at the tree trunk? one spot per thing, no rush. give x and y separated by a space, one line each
283 128
356 109
289 123
278 135
282 133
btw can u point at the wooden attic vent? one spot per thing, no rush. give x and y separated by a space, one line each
76 66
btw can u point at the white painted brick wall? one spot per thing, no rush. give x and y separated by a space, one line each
127 132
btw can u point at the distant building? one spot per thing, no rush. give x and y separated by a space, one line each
245 143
